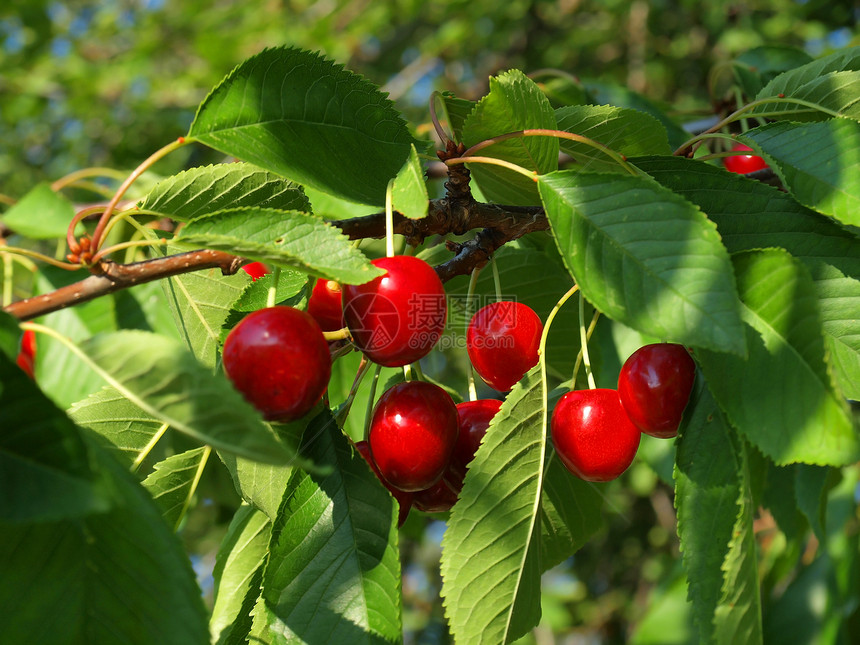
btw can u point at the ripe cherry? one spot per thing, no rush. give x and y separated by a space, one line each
27 356
397 318
743 163
502 341
255 270
404 499
278 359
473 419
654 387
413 432
439 498
592 434
325 305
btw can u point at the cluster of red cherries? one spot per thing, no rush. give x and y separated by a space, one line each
420 443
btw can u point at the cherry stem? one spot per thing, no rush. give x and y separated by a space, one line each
542 349
337 334
583 339
272 295
193 488
8 283
126 245
14 250
419 373
496 279
143 167
84 173
588 334
531 174
558 134
370 401
389 221
440 131
72 241
473 281
144 453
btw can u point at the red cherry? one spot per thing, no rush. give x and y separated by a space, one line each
27 356
404 499
412 434
278 359
255 270
473 419
743 163
397 318
502 341
592 434
325 305
439 498
654 387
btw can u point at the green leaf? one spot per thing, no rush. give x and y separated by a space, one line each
751 215
158 375
200 302
570 513
123 428
173 482
333 573
810 485
738 618
10 335
238 574
409 194
608 94
458 111
819 163
491 550
255 296
706 496
514 103
207 189
819 80
41 214
46 470
758 66
114 577
301 116
624 130
782 397
834 93
645 256
286 238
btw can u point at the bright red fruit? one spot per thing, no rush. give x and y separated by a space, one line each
654 387
593 435
473 419
325 305
27 356
743 163
439 498
396 318
255 270
404 499
502 341
413 432
278 359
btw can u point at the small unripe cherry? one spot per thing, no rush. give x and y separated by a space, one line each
278 359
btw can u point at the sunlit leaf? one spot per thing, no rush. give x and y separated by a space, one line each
286 238
41 214
645 256
207 189
301 116
173 482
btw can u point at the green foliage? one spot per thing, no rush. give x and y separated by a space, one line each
761 285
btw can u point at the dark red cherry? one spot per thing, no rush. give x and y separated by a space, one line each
439 498
325 305
743 163
397 318
473 419
592 434
27 356
502 341
278 359
654 387
255 270
404 499
413 432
